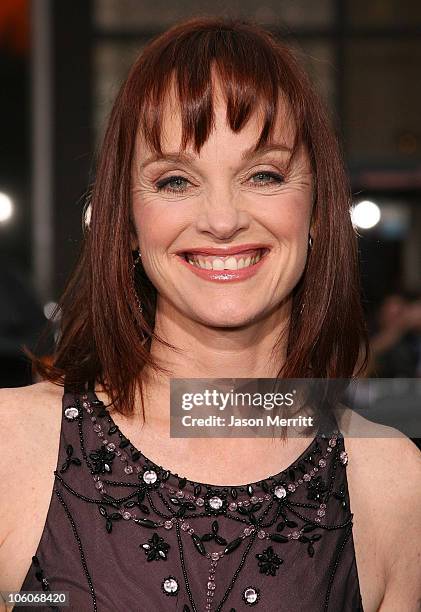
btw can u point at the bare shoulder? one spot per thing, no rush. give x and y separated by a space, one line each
30 418
385 469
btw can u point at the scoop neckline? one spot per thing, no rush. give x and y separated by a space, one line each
174 476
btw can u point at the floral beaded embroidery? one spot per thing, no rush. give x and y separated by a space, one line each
257 508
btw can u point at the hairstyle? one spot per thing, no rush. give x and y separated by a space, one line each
103 335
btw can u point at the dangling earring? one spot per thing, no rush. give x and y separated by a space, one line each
310 241
135 263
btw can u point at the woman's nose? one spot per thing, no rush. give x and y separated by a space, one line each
222 215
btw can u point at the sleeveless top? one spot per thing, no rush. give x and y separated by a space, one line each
123 533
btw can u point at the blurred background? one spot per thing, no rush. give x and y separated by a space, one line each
61 63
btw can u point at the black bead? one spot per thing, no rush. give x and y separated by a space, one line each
198 544
277 537
234 493
197 490
145 522
232 545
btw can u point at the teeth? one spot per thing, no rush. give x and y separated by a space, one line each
226 263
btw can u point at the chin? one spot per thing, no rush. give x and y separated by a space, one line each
223 318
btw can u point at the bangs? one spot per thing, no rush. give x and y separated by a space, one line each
252 76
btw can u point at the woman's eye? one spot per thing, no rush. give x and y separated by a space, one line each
172 183
177 184
264 178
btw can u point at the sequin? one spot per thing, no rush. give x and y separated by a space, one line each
251 596
150 477
280 492
215 503
343 457
71 413
170 586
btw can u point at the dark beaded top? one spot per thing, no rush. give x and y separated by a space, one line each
123 533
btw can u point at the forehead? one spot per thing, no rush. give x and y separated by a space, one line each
221 133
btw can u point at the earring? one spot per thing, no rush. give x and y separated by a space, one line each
310 241
135 263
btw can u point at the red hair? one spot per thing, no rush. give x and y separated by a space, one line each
103 335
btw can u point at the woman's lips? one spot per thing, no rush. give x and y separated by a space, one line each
225 275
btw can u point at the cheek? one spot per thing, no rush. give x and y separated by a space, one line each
287 218
156 226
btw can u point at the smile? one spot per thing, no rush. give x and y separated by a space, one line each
237 266
231 262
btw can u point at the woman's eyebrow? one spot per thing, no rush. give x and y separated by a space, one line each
180 156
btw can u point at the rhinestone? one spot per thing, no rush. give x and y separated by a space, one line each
291 487
247 531
191 530
85 404
280 492
168 524
343 457
215 502
105 441
103 491
97 428
246 502
295 535
329 450
268 496
123 457
99 485
260 499
321 512
128 469
184 526
170 585
215 556
322 505
101 434
315 469
179 494
261 534
93 419
200 501
127 515
89 410
250 595
111 446
97 477
232 506
150 476
211 585
332 442
322 462
311 472
254 499
71 413
317 519
300 481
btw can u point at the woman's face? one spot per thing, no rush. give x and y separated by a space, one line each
224 198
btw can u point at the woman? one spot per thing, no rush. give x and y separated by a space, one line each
217 151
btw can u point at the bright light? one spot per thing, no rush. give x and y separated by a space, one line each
6 207
49 310
365 215
87 216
